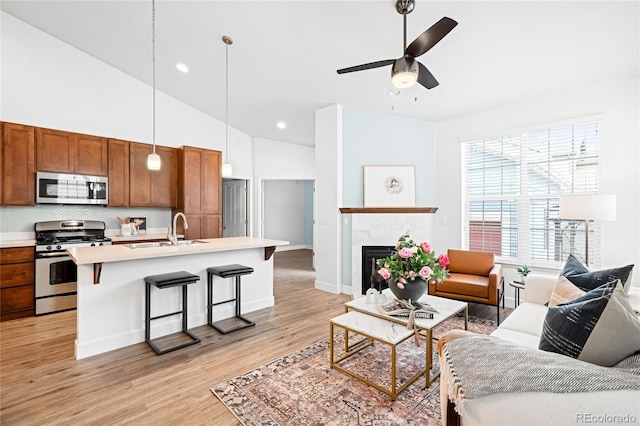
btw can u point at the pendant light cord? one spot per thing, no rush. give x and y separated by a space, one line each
153 58
226 105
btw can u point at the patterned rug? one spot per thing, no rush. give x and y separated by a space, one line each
300 388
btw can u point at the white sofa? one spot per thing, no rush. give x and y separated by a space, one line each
524 327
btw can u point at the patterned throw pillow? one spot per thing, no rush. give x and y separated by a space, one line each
564 292
587 280
599 327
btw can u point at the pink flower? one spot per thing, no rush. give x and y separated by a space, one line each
425 247
400 285
425 272
402 280
412 274
404 253
414 250
443 260
384 273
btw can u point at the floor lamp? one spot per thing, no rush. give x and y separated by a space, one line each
587 208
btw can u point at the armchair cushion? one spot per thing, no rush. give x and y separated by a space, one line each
465 284
587 280
599 327
470 262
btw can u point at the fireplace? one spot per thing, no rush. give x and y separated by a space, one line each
370 277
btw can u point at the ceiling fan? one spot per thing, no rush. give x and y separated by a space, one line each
407 70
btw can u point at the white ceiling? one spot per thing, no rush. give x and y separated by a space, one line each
285 54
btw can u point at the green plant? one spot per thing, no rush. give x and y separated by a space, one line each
524 270
411 260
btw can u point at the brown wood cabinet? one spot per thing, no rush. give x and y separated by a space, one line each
17 160
67 152
149 188
118 173
200 192
17 285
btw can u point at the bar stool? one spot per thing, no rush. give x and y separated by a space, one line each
227 271
172 279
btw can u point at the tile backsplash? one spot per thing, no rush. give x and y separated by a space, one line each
21 219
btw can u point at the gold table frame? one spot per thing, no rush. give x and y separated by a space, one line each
367 341
447 309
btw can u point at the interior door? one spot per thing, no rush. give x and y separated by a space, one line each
234 207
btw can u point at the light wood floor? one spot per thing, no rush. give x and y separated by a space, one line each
42 383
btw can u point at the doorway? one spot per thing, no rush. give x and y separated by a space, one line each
234 208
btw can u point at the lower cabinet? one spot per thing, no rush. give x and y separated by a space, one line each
203 226
17 283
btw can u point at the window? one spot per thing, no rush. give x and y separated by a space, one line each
512 189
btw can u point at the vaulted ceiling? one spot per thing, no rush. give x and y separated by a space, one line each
282 65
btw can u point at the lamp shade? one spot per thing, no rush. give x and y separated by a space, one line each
227 170
153 161
588 207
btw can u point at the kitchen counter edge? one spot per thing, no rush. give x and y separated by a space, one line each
122 253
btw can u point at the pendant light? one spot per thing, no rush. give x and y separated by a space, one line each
227 170
153 160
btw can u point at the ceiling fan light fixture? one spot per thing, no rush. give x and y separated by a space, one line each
404 74
404 80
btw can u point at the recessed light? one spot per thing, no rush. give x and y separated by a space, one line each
182 67
281 125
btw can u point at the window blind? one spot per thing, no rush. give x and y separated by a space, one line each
512 189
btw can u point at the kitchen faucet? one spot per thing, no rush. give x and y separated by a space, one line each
173 237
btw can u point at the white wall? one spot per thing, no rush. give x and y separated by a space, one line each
276 160
327 230
285 212
617 101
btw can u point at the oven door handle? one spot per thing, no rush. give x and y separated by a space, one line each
51 254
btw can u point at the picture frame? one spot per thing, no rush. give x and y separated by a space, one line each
389 186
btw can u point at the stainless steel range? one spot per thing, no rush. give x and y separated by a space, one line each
56 274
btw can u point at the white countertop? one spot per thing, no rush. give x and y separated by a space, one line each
121 253
17 243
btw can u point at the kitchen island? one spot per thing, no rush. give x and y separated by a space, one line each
111 287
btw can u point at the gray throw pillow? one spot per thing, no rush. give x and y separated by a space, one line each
587 280
599 327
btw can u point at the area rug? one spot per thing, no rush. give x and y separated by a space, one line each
300 388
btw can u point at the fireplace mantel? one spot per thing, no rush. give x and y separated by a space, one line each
387 210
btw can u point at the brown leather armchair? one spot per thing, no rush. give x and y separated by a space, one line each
474 277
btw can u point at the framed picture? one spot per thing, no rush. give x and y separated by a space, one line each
389 186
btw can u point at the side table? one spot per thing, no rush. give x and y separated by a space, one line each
517 285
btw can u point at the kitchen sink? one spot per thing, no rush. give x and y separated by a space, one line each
164 244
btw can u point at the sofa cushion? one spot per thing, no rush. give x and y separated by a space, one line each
526 319
599 327
564 292
470 262
518 337
468 285
587 280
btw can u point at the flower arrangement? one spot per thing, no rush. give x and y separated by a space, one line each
411 261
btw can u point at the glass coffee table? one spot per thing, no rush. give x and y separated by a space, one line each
447 308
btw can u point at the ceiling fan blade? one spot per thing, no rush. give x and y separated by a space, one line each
367 66
430 37
425 77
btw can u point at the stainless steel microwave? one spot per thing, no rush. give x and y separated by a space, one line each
61 188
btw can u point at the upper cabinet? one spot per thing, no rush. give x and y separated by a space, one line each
118 173
200 191
66 152
148 188
17 160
